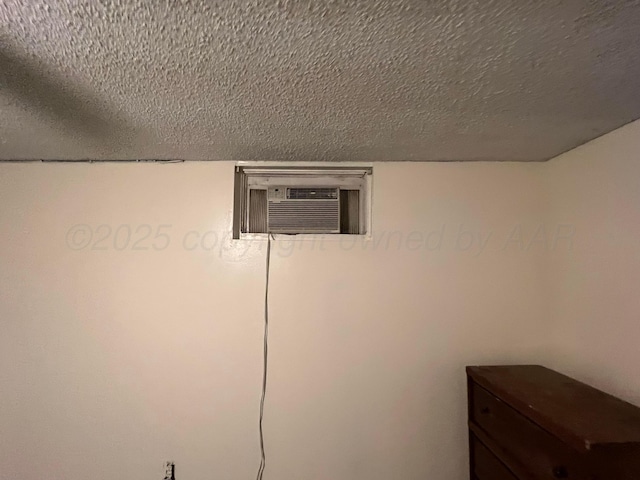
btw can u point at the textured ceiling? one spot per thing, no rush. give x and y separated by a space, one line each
314 80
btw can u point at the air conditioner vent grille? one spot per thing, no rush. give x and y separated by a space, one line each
307 216
312 193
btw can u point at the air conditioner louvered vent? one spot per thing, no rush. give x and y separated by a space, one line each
307 210
312 193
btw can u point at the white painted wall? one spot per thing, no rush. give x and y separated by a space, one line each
113 361
596 301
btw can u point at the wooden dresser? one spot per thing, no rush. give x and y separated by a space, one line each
527 422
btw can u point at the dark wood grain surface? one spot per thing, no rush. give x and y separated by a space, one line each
578 414
487 464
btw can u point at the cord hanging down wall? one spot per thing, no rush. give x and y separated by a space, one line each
265 357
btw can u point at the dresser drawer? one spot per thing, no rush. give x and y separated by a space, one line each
531 451
485 464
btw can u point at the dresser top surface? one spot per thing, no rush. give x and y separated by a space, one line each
577 413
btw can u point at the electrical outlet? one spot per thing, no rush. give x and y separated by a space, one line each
169 471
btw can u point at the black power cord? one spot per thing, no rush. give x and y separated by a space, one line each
265 358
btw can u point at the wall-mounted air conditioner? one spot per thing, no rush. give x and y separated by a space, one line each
301 200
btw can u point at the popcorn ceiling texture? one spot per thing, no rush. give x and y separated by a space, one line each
314 80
